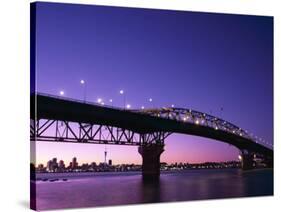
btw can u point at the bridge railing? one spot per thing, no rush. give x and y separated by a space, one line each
81 101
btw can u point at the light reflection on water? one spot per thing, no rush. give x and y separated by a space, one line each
128 188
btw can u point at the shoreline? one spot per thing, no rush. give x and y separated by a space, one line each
65 176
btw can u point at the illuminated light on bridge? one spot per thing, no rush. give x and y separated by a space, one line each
150 99
216 128
99 100
83 83
184 118
61 93
197 121
142 107
172 105
240 157
110 100
128 106
122 92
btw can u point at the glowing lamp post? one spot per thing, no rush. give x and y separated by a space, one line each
82 82
150 100
240 157
99 100
124 98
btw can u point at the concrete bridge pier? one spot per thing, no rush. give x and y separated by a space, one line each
151 160
269 161
247 160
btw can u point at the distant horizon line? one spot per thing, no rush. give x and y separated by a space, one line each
36 164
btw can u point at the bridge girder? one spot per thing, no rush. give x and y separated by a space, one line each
77 132
198 118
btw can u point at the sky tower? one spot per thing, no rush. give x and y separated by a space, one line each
105 154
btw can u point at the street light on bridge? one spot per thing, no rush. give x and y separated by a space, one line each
62 93
150 100
128 106
124 97
99 100
111 102
240 157
83 83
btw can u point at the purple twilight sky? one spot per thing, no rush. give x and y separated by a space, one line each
193 60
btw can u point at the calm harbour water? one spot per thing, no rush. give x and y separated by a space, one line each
106 189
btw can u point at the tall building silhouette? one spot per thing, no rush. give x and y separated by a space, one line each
74 163
105 154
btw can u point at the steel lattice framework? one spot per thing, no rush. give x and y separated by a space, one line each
64 131
201 119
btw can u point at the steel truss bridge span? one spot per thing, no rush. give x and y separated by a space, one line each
66 120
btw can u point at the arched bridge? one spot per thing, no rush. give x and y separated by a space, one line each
66 120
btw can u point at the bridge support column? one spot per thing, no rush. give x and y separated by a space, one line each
247 160
151 160
268 160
